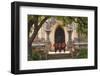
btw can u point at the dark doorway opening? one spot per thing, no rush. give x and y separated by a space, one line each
59 39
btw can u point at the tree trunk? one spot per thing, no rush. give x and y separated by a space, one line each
30 43
29 51
36 29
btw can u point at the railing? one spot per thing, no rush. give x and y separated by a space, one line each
81 44
38 45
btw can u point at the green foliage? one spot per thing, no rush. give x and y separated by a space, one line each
35 56
33 17
65 19
83 53
30 17
82 28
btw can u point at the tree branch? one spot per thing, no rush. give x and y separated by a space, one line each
42 22
30 23
37 29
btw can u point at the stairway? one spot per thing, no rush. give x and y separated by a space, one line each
59 55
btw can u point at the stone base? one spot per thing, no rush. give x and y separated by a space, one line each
66 52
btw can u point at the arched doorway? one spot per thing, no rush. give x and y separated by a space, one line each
59 39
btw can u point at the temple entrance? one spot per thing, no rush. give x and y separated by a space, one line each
59 39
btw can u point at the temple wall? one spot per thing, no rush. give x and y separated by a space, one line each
42 34
52 33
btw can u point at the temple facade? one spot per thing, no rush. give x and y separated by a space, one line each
56 32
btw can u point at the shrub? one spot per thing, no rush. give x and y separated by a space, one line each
83 53
36 56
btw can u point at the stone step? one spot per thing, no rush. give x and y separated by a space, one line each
62 52
59 55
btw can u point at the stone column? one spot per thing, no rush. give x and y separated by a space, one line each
69 36
69 43
48 33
